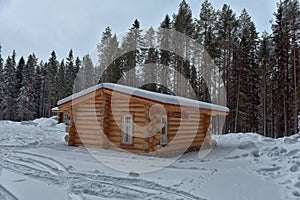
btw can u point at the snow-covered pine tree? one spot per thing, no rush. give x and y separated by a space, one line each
1 85
61 80
104 59
286 30
37 92
115 68
206 29
51 78
227 25
89 79
247 99
8 105
69 74
132 44
108 52
44 101
165 56
19 71
24 102
183 23
150 69
294 13
207 37
264 87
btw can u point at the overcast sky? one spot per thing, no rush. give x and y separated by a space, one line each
41 26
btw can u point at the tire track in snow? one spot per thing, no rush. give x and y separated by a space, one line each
5 194
107 186
34 164
58 165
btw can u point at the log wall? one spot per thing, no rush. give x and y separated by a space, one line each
97 119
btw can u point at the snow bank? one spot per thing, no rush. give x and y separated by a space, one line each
38 132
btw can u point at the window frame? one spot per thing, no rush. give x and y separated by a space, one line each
164 136
127 138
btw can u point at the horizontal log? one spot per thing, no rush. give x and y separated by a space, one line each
183 128
87 118
175 132
88 122
88 142
185 137
87 97
114 133
98 114
88 127
195 123
128 109
90 105
115 138
126 105
89 132
89 137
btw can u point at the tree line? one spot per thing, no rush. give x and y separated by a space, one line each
261 72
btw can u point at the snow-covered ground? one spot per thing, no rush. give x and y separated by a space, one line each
36 163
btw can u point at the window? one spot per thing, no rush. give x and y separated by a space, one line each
127 129
164 130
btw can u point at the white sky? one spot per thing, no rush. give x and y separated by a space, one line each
42 26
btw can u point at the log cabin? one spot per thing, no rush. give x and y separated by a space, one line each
118 117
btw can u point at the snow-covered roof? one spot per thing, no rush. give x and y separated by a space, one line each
55 109
152 96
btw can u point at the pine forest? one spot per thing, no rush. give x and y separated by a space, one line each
261 71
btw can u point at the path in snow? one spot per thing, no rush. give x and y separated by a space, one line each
5 194
242 166
53 172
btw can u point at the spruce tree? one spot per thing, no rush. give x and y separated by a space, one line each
207 37
285 37
61 81
246 83
37 91
265 93
19 71
150 69
227 25
165 56
104 53
69 73
1 85
206 29
51 79
183 23
89 78
108 52
45 99
78 76
8 105
25 99
115 68
131 45
77 67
